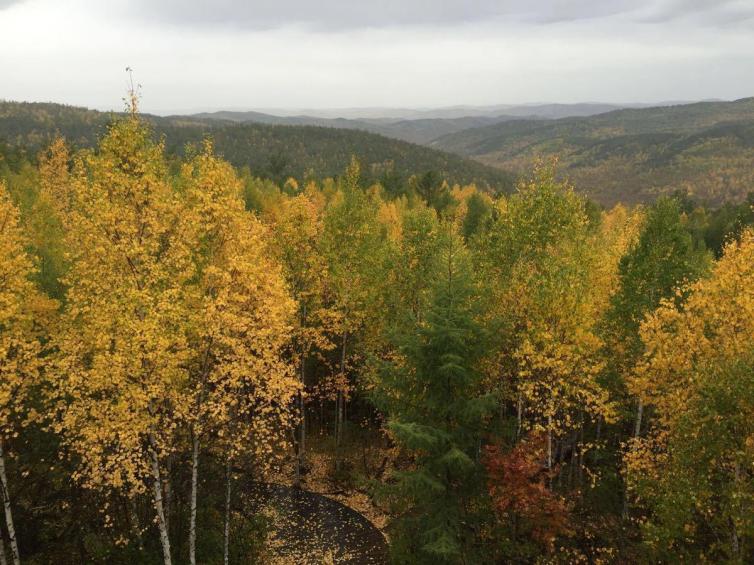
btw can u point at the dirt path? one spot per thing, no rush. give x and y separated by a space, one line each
312 529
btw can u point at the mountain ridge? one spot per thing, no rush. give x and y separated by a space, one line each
270 150
630 155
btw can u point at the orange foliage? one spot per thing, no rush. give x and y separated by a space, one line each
518 485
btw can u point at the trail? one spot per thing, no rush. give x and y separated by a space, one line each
309 528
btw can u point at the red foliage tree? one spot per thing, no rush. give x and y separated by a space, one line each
518 484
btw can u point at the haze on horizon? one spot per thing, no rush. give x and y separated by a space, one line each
197 55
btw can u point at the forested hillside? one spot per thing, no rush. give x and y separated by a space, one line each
630 155
272 151
419 130
416 126
484 378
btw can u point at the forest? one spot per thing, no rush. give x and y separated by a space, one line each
630 155
488 376
272 151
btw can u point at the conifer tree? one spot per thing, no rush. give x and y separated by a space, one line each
436 409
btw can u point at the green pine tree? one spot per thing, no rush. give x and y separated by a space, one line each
436 413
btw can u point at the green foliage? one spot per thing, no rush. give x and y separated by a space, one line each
450 324
664 258
630 155
704 502
478 214
436 410
270 151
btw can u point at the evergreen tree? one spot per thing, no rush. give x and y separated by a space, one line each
436 413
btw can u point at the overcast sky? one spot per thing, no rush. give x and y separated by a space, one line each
194 54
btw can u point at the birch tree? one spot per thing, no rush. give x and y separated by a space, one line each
242 380
121 369
297 229
19 344
353 246
691 470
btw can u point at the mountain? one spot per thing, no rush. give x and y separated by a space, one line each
276 151
630 155
417 126
421 131
543 110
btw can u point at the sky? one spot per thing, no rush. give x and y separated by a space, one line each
192 55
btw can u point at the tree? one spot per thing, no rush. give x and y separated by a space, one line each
242 383
415 265
20 307
691 471
478 213
663 258
297 229
121 371
436 410
45 223
523 501
433 189
538 261
353 246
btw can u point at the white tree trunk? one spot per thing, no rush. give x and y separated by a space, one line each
162 525
639 412
226 540
339 413
167 502
8 513
194 487
3 558
302 406
549 442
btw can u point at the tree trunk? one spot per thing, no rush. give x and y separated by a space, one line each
597 437
8 513
549 442
226 535
639 412
3 558
339 406
735 543
301 443
194 487
581 450
161 524
519 414
168 503
135 525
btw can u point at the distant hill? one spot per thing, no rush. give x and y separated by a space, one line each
630 155
416 126
541 110
270 150
421 131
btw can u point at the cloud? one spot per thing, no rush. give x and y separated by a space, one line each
703 12
354 14
350 14
193 56
8 3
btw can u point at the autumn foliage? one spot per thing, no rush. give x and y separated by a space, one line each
518 483
493 378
